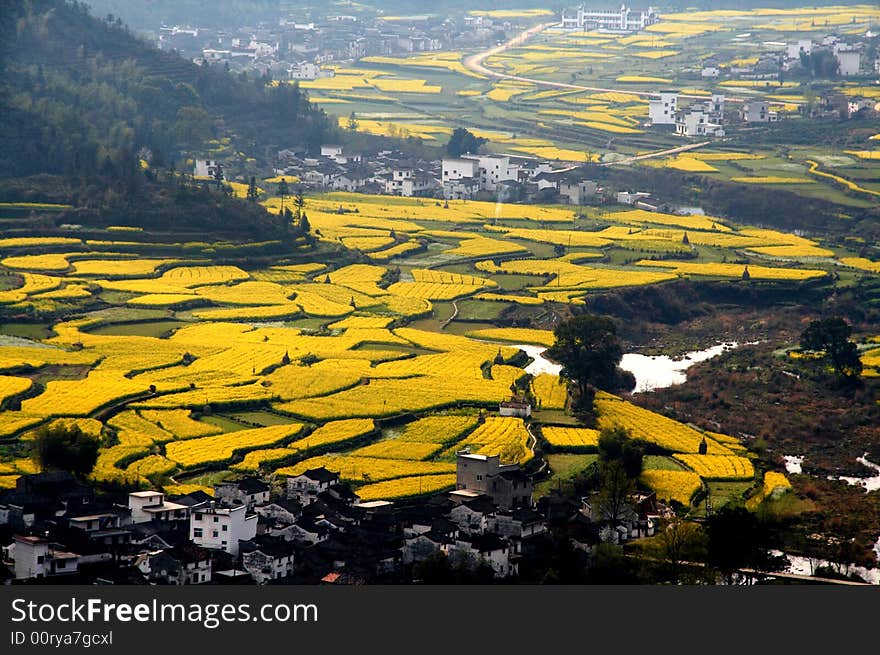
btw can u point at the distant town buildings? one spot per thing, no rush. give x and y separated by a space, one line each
617 20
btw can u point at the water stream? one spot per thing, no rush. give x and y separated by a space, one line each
651 372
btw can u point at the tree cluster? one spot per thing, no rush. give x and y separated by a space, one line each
589 351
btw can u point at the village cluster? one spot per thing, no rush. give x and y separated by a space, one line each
308 528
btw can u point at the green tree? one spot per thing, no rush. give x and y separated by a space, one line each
283 191
67 448
352 122
252 189
589 351
616 445
614 492
192 126
736 540
676 543
831 337
463 141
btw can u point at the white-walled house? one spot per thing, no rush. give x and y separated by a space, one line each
493 170
758 111
222 527
306 486
208 168
848 62
485 548
458 168
460 178
36 557
331 150
248 491
151 506
661 111
794 50
268 559
178 566
697 123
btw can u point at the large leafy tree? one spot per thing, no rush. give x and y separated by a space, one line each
463 141
616 445
831 336
589 351
67 448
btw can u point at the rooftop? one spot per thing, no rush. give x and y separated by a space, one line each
373 504
164 507
465 493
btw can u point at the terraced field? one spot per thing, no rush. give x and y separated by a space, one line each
166 358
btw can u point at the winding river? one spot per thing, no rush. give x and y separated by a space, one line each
651 372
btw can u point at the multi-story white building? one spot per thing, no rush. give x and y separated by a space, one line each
794 50
36 557
618 20
848 62
494 169
305 487
697 122
456 168
460 177
249 491
407 182
661 111
221 527
151 506
208 168
758 111
268 559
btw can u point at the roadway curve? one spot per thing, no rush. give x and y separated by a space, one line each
474 63
661 153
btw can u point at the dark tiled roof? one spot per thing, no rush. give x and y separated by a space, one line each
485 543
198 497
272 546
321 475
251 485
482 505
527 516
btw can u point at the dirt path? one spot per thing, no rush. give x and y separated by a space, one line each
660 153
451 318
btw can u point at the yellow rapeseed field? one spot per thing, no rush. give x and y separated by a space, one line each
651 427
505 436
718 467
515 335
567 438
672 485
12 386
550 391
406 487
220 448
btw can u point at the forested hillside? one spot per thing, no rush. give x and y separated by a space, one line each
80 95
99 119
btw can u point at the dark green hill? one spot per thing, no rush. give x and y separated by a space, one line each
77 90
84 101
